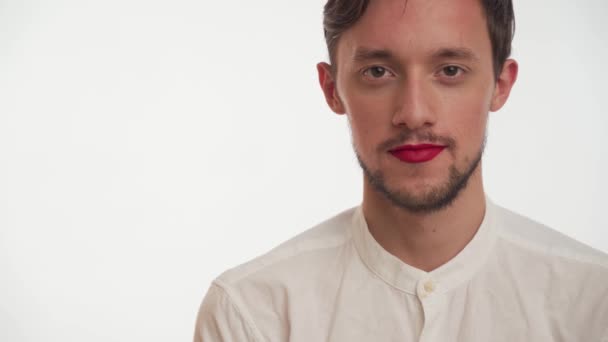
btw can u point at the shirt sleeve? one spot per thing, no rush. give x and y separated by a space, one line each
220 320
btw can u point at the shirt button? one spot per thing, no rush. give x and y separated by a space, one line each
429 286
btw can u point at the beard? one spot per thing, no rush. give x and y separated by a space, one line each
432 200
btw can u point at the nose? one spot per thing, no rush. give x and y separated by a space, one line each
414 108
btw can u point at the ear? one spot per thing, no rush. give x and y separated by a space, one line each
505 82
328 85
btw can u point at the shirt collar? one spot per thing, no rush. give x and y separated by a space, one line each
407 278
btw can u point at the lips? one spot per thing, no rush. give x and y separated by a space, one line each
417 153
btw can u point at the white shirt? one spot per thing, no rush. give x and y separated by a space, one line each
516 280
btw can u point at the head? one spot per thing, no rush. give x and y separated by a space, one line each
411 72
340 15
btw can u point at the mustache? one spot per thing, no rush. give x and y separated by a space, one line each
418 136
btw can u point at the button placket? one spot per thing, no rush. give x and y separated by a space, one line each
432 303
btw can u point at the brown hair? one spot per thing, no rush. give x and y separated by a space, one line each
340 15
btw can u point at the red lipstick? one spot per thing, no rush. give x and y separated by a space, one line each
417 153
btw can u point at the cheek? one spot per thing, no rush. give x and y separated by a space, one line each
369 114
470 131
468 111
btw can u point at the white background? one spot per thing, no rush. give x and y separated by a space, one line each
147 146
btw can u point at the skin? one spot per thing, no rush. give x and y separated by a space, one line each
411 73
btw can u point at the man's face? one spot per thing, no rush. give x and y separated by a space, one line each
410 73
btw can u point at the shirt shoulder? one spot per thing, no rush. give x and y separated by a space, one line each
554 275
220 319
295 274
522 232
312 245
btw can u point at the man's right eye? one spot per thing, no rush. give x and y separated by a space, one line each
375 72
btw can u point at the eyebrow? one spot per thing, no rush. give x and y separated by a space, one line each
461 53
363 54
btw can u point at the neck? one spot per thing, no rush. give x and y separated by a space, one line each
425 240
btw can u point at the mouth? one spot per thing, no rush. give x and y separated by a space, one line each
417 153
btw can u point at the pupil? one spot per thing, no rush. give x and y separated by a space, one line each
451 70
377 71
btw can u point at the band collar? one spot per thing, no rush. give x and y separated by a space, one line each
407 278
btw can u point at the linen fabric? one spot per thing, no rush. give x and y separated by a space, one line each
516 280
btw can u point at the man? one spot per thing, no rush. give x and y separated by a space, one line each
427 256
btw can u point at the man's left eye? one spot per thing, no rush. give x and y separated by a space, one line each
451 70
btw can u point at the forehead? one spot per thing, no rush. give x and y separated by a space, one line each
409 27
